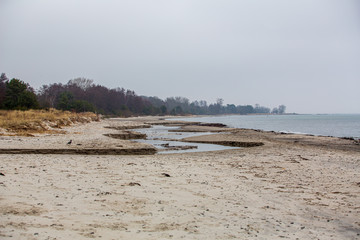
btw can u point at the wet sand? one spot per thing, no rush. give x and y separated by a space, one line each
291 187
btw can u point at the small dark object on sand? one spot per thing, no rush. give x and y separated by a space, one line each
134 184
69 142
1 174
166 175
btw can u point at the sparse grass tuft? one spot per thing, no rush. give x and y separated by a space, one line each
26 123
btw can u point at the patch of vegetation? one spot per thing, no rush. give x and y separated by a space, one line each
26 123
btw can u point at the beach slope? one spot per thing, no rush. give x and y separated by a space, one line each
291 187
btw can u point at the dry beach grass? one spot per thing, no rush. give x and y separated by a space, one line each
40 121
292 187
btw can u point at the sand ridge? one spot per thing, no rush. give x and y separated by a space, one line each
89 138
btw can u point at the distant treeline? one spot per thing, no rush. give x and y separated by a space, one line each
82 95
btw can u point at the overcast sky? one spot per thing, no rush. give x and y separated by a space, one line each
301 53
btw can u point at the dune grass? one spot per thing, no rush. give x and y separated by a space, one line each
26 123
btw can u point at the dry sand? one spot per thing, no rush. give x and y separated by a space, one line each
292 187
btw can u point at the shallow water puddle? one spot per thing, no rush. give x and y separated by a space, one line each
169 142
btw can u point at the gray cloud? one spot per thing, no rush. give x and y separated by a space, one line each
304 54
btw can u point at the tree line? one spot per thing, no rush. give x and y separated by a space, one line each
83 95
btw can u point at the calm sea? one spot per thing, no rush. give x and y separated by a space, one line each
339 125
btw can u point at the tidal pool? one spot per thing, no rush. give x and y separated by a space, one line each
160 137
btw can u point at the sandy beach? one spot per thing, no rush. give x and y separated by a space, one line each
290 187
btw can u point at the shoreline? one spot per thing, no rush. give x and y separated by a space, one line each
111 137
352 137
292 187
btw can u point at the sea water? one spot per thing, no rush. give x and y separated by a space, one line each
338 125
